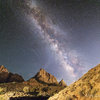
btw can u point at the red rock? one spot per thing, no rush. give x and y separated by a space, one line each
44 77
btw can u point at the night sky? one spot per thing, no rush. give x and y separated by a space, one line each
65 41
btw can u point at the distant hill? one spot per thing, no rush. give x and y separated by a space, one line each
86 88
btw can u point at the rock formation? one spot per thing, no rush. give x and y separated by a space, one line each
86 88
44 77
6 76
62 83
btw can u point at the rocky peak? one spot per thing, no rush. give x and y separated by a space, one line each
3 69
45 77
62 83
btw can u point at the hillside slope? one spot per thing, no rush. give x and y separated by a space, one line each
86 88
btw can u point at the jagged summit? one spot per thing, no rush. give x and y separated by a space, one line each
45 77
3 69
86 88
62 83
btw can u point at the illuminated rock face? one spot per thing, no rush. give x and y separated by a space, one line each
6 76
86 88
45 77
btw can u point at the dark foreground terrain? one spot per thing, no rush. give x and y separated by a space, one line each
29 98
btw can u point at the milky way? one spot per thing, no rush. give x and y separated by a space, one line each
50 34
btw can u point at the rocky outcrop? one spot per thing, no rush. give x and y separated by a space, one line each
44 77
6 76
86 88
62 83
